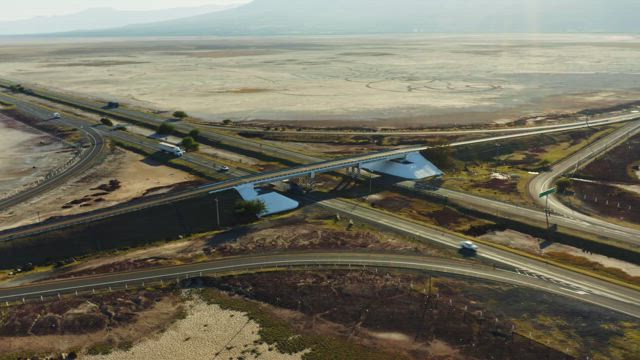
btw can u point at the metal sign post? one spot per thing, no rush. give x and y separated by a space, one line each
547 212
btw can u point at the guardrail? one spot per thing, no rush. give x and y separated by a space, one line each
43 179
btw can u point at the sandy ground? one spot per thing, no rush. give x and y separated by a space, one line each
207 332
415 80
629 268
514 239
136 175
27 154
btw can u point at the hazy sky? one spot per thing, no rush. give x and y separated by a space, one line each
24 9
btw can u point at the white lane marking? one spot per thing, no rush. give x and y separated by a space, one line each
579 292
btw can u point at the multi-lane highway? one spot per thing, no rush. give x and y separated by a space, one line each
153 121
580 283
320 166
263 178
220 134
314 259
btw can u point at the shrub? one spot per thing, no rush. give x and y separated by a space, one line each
106 121
563 185
100 349
251 207
189 144
194 133
180 115
166 129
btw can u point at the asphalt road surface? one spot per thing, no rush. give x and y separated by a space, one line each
581 283
311 260
87 159
546 181
245 178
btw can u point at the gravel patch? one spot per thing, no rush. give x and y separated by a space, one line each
207 332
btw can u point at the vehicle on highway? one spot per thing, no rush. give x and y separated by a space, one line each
171 149
223 169
56 115
469 246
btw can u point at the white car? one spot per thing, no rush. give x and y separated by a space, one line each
223 168
56 115
468 245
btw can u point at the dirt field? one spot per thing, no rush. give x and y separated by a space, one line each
27 154
609 186
358 314
83 323
206 332
394 312
413 80
617 165
121 177
604 199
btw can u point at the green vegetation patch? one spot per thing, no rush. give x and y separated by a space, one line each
100 349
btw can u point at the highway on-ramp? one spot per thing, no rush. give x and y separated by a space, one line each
546 181
583 283
311 260
87 158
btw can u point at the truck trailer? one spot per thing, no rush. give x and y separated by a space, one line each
171 149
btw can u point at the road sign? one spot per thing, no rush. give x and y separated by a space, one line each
548 192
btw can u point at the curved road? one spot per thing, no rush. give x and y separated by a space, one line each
547 180
88 158
345 259
582 283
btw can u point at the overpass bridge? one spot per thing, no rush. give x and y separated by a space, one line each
403 163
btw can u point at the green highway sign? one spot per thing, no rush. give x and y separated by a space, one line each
548 192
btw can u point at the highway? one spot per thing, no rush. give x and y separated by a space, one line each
153 121
257 179
499 130
221 137
580 283
527 215
581 158
326 260
87 159
243 177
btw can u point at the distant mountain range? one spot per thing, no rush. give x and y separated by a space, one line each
318 17
100 18
295 17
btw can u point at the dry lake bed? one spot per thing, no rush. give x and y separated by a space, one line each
404 80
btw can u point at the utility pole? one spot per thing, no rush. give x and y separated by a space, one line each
217 212
547 211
